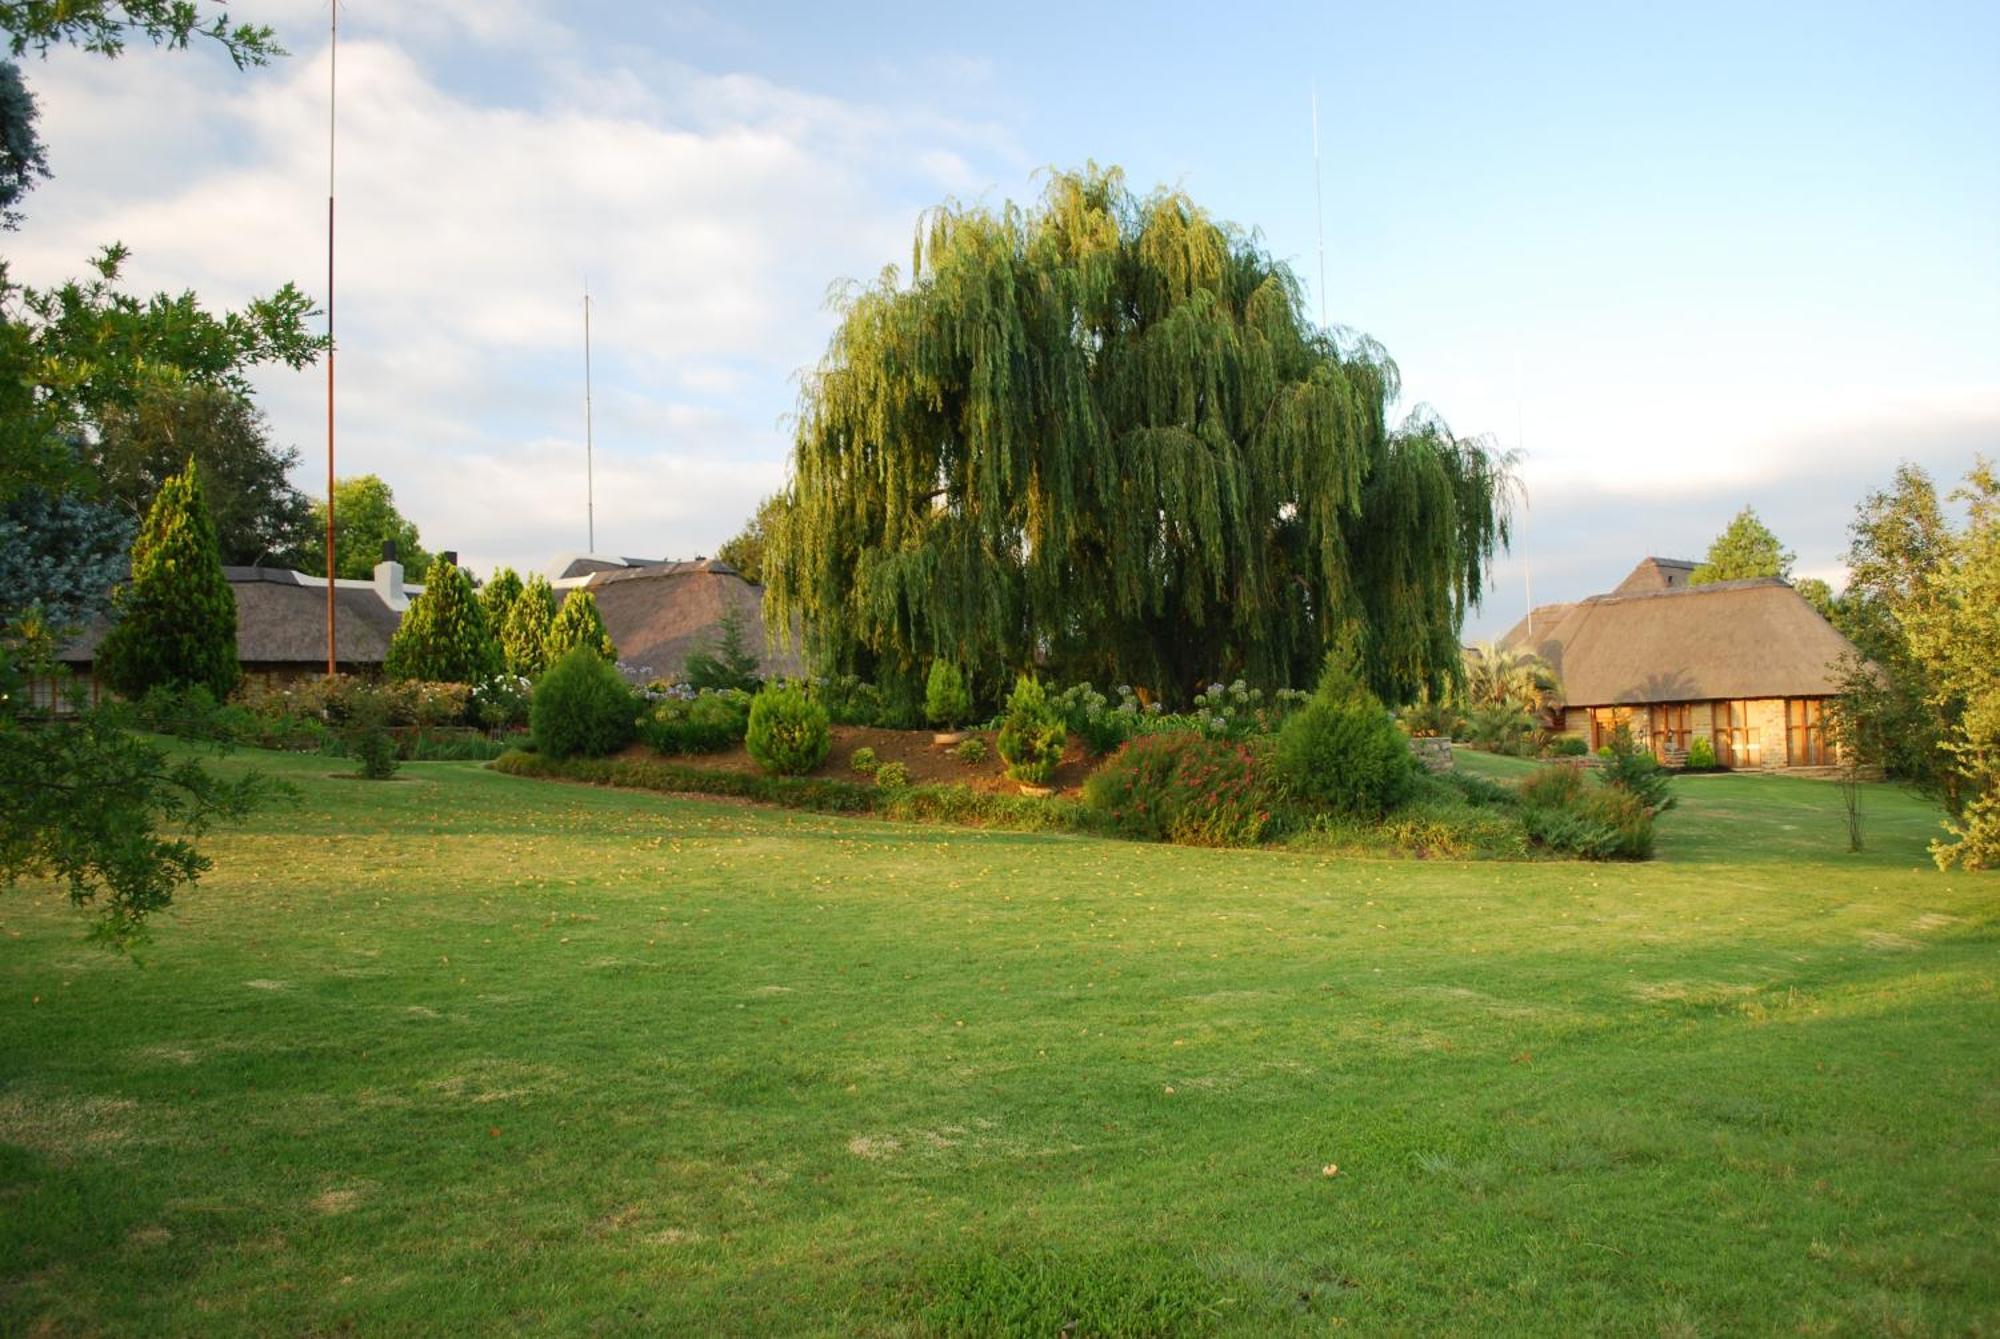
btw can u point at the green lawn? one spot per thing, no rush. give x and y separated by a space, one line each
466 1052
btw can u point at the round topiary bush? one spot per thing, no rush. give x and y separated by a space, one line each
582 708
1343 754
863 760
789 733
892 776
1032 735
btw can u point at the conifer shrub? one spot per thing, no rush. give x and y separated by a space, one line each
524 634
1180 787
892 776
1032 734
863 760
175 624
971 751
578 623
582 707
1342 753
1701 756
789 733
443 637
727 661
947 704
704 723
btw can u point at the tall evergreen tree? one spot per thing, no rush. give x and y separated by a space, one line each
1746 549
524 637
443 636
176 621
1101 435
578 623
496 598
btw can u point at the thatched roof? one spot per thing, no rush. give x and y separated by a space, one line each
281 620
659 613
1656 574
1733 639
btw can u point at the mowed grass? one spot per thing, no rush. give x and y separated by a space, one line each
469 1053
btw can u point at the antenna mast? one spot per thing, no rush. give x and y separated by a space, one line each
332 67
589 467
1319 208
1527 507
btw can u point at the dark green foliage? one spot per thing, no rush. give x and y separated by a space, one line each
176 623
1746 549
863 760
946 702
260 519
1032 734
1574 746
524 637
705 723
23 160
788 733
728 662
578 623
892 776
496 599
971 751
364 519
582 708
1101 435
86 801
1500 727
850 700
1342 752
1093 719
1566 814
371 745
1182 788
104 26
444 637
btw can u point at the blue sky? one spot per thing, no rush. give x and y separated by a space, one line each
1690 257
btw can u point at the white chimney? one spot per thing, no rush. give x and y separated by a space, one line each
389 584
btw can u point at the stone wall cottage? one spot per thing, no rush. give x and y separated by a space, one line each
1747 665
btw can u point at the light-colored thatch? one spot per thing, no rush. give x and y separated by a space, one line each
281 622
1733 639
660 613
1656 574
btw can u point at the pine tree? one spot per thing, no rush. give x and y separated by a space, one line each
524 637
726 661
1101 436
496 598
176 621
443 637
576 624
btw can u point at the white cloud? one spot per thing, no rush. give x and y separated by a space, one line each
709 212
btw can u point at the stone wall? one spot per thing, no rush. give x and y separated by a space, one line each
1767 720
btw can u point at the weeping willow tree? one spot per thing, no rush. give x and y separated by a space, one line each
1099 437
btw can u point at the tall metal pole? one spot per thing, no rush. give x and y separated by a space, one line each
1319 207
589 468
332 85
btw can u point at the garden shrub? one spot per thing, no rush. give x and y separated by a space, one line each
1564 812
1092 719
1701 757
1570 746
1182 788
946 702
849 700
1032 734
971 751
501 702
1343 753
788 732
708 722
1629 768
727 661
582 707
863 761
892 776
1500 727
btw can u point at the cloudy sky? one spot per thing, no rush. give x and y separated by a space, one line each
1686 258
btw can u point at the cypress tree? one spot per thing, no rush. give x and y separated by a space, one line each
576 624
496 598
176 621
524 637
443 636
1100 436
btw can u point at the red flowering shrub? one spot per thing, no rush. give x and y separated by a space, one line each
1182 788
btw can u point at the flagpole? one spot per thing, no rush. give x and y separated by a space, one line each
589 467
332 68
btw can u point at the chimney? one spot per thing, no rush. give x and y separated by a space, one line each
389 579
450 556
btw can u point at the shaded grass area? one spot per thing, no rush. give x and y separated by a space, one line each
472 1052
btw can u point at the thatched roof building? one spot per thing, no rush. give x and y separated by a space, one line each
660 612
